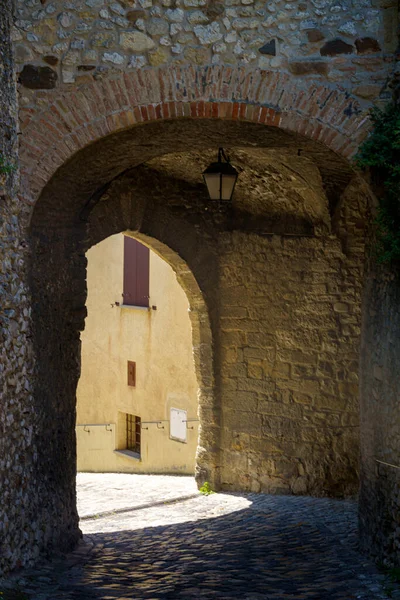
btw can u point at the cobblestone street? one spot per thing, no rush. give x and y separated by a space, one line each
164 540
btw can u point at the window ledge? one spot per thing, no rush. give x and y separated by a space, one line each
134 306
128 454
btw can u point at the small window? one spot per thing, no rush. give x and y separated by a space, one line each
136 273
131 373
133 432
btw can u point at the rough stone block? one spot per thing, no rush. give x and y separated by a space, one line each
315 35
367 45
38 78
269 48
308 67
241 421
335 47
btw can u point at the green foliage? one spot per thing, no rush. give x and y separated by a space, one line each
206 489
381 153
394 574
388 589
5 168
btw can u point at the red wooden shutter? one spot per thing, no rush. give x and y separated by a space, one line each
136 273
142 275
131 373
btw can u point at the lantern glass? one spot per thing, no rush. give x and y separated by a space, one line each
220 186
220 179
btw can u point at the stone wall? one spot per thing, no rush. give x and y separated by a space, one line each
380 418
290 325
379 399
345 42
17 470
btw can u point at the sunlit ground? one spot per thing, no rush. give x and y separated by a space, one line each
116 502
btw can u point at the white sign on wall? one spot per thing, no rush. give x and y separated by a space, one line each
177 425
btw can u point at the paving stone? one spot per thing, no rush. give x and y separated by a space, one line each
224 546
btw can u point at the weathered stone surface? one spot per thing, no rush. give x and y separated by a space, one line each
38 78
86 67
268 48
113 57
368 90
197 17
214 8
136 41
348 28
103 39
380 423
197 55
159 57
314 35
367 45
175 15
242 28
51 60
208 34
335 47
157 26
22 528
308 67
134 15
23 54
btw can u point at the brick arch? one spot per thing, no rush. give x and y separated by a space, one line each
79 133
74 119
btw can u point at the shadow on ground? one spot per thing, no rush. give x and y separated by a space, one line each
278 548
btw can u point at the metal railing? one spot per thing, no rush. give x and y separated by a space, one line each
85 425
158 423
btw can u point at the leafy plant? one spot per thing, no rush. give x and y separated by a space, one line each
5 168
206 489
381 153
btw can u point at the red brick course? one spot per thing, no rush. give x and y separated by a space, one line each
74 118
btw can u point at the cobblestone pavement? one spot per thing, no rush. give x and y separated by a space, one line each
225 546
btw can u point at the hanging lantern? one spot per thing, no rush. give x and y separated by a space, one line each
220 178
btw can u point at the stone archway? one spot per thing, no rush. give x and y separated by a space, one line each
314 86
76 118
128 122
59 292
271 284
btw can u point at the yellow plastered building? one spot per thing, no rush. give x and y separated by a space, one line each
137 395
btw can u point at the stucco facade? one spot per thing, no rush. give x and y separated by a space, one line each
121 107
159 340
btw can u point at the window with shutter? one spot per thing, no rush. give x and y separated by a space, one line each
131 373
136 273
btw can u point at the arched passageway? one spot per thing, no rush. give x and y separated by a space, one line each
137 397
274 285
288 92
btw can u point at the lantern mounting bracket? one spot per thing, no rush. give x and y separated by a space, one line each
222 155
